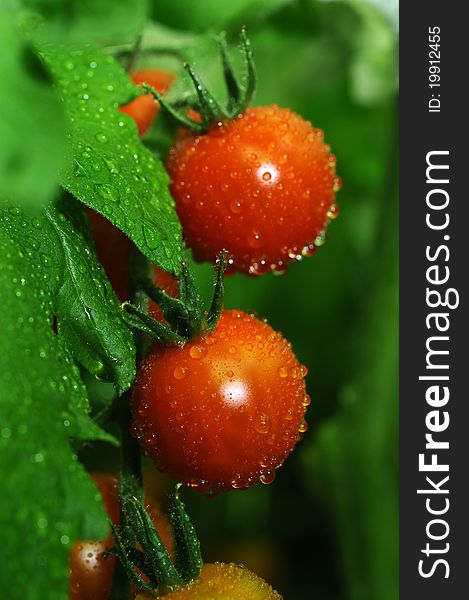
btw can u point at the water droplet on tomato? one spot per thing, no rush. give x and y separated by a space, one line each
197 352
259 267
254 239
308 250
267 476
320 239
235 206
337 184
180 372
262 424
333 211
282 372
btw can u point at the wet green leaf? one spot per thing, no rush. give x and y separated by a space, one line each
109 169
89 316
47 499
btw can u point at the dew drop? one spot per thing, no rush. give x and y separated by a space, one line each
235 206
180 372
197 352
151 238
254 239
259 268
337 184
107 193
320 239
282 372
262 425
333 211
303 426
308 250
267 476
101 137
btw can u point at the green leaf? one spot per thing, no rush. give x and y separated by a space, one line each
47 499
111 171
79 21
32 124
89 316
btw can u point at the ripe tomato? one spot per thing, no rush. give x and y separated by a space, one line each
91 571
223 411
261 186
113 249
143 109
223 582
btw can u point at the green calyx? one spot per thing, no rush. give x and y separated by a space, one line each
204 103
185 315
137 530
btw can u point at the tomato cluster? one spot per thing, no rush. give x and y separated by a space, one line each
224 407
91 566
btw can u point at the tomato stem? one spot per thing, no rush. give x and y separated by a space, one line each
171 110
207 106
232 85
216 305
188 556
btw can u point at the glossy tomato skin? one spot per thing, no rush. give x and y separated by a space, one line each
91 569
261 186
223 411
144 109
223 582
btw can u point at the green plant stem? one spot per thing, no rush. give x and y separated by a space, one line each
130 462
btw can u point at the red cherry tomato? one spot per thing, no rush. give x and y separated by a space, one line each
223 582
113 249
91 570
261 186
143 109
223 411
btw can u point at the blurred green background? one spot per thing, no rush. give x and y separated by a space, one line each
327 528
